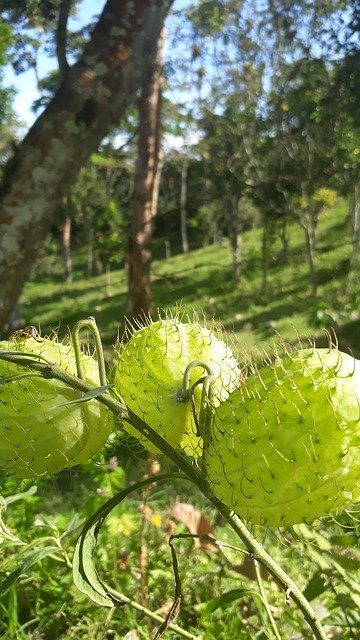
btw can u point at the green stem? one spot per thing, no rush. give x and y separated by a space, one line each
194 473
90 324
265 600
259 553
154 616
206 406
186 389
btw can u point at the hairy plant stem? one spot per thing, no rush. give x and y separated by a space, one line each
195 474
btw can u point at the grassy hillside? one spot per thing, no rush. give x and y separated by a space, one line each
202 281
223 593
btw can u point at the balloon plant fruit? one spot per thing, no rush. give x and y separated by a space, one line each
157 374
42 429
285 446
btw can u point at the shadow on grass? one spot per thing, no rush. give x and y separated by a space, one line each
196 283
265 319
108 311
339 271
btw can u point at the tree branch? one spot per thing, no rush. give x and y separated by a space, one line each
61 37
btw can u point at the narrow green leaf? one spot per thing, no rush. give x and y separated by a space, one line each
75 523
345 540
223 601
85 574
19 496
315 587
349 564
27 561
89 395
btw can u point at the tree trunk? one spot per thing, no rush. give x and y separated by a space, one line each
233 230
90 101
145 193
167 249
183 203
60 37
66 243
311 255
108 280
284 240
264 258
91 247
355 229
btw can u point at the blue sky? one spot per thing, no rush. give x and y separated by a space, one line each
25 83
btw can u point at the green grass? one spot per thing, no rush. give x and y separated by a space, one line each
201 280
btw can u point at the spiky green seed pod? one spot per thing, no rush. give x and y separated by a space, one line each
149 376
285 447
39 433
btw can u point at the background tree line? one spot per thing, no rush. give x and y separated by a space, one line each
258 126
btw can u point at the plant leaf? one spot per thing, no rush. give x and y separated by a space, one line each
89 395
28 560
315 587
85 574
223 601
19 496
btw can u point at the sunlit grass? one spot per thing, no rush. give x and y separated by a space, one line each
202 281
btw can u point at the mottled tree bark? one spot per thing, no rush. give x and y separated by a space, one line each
145 192
90 101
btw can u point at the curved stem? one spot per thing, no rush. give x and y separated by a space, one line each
206 405
90 324
186 390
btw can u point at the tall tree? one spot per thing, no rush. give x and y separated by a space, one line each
145 190
227 147
89 102
7 117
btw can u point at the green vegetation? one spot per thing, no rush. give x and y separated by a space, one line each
201 280
223 591
252 171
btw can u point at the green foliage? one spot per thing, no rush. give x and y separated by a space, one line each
167 223
7 94
276 151
6 39
99 220
324 561
220 594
